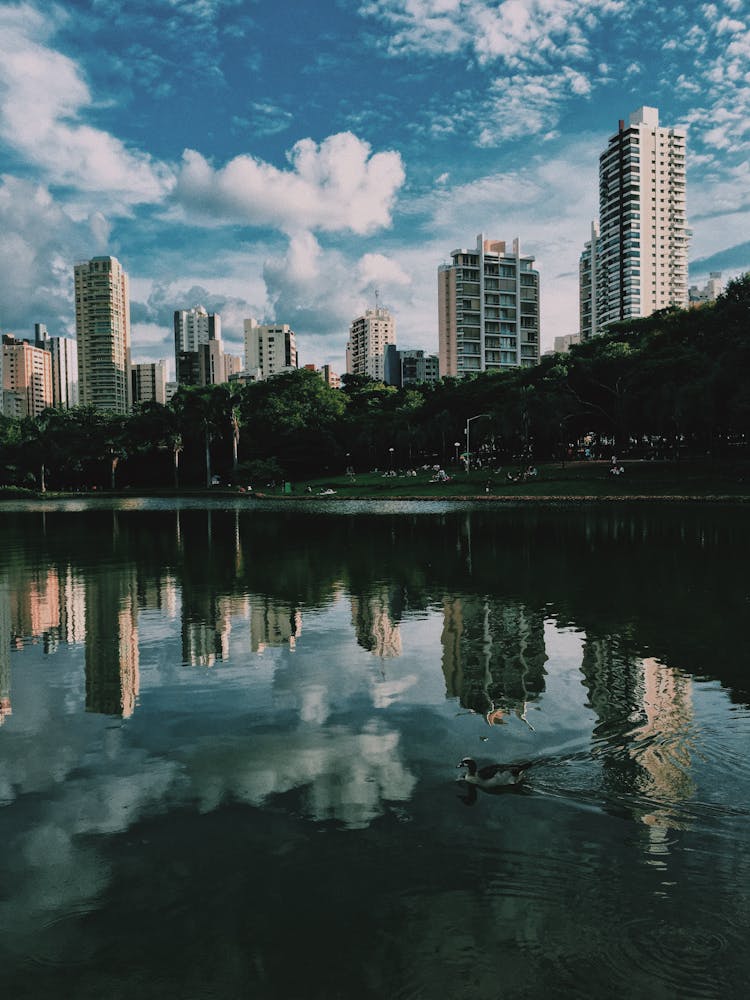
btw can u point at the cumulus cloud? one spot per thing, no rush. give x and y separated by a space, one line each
336 185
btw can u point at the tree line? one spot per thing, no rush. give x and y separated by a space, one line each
672 384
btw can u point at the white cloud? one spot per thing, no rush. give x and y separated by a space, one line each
43 97
336 185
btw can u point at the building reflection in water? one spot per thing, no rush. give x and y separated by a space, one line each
493 655
273 623
111 644
645 713
5 644
375 619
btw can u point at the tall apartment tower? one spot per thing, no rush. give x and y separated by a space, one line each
198 352
642 259
488 309
103 334
269 348
26 378
588 272
369 335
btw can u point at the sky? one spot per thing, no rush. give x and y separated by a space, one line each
298 161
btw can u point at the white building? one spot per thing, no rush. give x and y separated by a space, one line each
488 309
196 335
642 248
369 335
103 334
150 382
269 348
710 291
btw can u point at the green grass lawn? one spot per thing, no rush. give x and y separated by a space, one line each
689 478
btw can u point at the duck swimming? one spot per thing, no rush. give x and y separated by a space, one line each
493 776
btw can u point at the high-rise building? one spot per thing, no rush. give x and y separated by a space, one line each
710 291
269 349
150 382
26 378
409 367
64 355
197 347
587 288
641 259
488 309
369 335
103 334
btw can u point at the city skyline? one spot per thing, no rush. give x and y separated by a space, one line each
346 150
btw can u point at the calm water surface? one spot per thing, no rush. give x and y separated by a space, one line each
230 733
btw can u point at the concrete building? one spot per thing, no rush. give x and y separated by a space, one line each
587 277
26 378
149 382
64 354
563 344
198 350
488 310
232 366
369 335
710 291
642 250
409 367
328 375
269 348
103 334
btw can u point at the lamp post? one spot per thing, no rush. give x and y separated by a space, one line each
468 449
457 445
391 453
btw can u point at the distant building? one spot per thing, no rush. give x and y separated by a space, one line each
103 334
641 257
328 375
588 266
488 309
269 348
564 343
232 366
369 335
171 388
150 382
26 378
197 347
64 354
409 367
710 291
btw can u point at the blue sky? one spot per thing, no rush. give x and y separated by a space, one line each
286 160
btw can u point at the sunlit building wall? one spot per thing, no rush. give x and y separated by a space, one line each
103 334
270 348
27 376
488 309
369 335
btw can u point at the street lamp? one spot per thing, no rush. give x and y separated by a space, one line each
457 445
468 449
391 451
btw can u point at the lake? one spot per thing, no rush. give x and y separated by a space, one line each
230 730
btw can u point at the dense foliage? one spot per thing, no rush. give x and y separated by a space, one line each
674 383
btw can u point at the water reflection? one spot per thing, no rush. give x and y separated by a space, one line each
188 696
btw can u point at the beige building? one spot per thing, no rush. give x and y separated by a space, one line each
269 348
369 335
488 309
642 255
26 378
198 351
150 382
103 334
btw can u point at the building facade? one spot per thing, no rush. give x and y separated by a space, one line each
641 259
26 378
409 367
369 336
709 293
588 266
150 382
269 348
488 310
103 334
198 350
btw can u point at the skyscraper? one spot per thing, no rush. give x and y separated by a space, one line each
197 347
26 377
103 334
488 309
150 382
369 335
642 249
269 348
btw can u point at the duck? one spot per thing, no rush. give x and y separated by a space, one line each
493 776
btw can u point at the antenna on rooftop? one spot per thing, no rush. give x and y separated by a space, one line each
377 299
